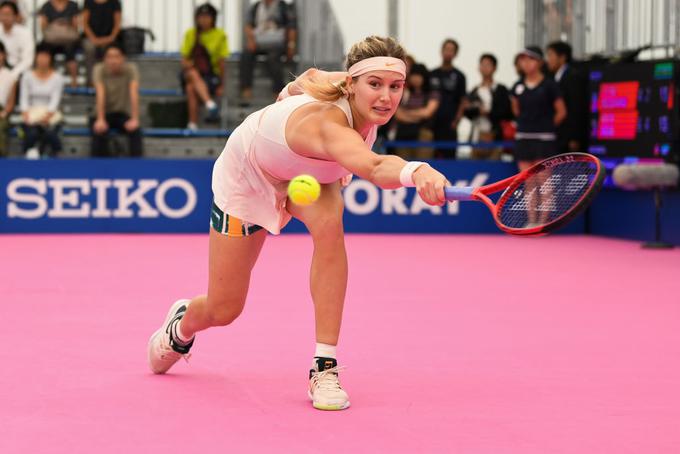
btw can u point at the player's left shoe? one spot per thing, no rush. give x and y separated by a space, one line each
324 386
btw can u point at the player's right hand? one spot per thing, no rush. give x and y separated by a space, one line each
430 185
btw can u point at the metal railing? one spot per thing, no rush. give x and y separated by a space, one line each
320 39
604 26
168 19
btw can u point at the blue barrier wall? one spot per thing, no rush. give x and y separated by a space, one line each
174 196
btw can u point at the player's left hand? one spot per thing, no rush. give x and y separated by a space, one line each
430 185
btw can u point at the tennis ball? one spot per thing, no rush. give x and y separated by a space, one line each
304 190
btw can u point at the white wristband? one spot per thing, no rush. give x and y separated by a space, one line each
406 175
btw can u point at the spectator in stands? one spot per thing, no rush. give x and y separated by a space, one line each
101 24
271 30
17 39
39 98
116 83
22 11
59 25
539 108
8 92
488 106
572 134
413 117
203 53
450 83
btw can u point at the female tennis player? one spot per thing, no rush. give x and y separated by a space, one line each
326 130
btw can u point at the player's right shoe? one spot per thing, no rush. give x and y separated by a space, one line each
164 351
325 391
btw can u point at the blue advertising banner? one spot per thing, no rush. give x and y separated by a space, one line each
127 195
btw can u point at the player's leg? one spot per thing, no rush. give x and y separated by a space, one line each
231 260
328 282
192 99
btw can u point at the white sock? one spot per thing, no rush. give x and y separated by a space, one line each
179 335
210 104
325 351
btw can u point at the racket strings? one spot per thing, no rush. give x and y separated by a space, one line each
547 195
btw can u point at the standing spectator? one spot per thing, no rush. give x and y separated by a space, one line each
450 83
271 30
203 53
539 109
116 83
101 23
572 134
59 25
39 98
488 106
418 105
17 39
8 92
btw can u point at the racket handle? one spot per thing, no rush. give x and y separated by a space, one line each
459 193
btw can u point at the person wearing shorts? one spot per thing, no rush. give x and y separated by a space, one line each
539 108
324 125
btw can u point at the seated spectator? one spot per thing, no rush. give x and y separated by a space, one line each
8 92
272 31
488 105
116 83
414 115
101 24
572 134
59 25
203 53
449 81
23 11
39 98
17 39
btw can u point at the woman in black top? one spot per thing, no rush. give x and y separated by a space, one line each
101 24
539 108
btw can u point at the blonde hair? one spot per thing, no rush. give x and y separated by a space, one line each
373 46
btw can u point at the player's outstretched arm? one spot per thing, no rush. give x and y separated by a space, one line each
345 146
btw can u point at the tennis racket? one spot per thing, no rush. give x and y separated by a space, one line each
542 198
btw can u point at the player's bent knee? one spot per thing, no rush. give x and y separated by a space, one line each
223 315
327 227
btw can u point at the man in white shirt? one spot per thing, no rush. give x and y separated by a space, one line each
17 39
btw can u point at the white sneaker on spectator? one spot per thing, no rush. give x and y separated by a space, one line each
193 127
32 153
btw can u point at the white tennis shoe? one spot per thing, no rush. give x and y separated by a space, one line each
324 385
164 351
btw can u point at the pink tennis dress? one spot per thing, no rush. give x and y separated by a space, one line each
251 175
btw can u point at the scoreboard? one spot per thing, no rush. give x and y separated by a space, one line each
634 110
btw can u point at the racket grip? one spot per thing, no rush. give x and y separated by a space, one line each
458 193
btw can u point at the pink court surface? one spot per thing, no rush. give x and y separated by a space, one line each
453 344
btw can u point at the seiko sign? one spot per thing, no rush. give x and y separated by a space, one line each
364 198
30 198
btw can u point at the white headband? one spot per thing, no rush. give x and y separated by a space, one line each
378 64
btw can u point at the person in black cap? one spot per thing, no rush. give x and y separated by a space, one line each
539 108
